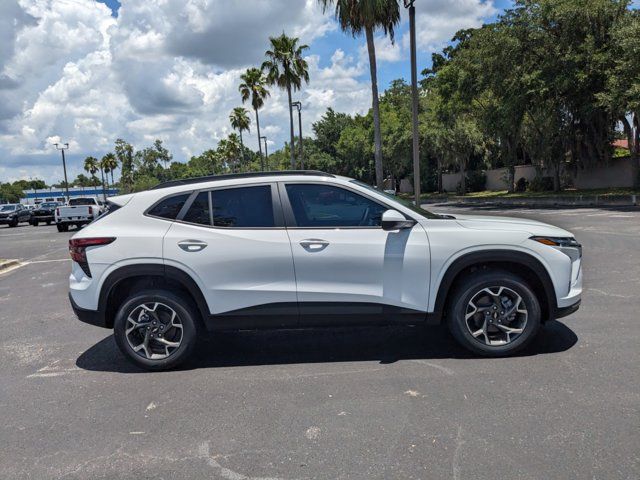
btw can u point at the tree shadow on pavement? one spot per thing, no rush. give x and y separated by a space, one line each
277 347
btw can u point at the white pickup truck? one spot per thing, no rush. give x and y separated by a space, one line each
79 212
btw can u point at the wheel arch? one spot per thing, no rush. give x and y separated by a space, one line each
129 278
520 263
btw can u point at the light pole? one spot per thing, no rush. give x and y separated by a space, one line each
414 100
266 153
298 106
64 166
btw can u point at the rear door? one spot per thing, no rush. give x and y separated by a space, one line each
345 263
233 242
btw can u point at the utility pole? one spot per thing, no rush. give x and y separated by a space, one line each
414 100
298 106
64 167
266 153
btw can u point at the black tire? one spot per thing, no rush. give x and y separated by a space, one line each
186 315
62 227
469 289
35 223
48 222
14 223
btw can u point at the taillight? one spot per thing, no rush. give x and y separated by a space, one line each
90 210
58 212
78 249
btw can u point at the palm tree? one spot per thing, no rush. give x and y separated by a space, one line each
355 16
253 87
229 149
91 166
240 121
110 163
286 68
106 169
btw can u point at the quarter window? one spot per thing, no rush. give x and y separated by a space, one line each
199 210
329 206
244 207
169 207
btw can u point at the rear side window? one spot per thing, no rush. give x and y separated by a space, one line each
75 202
199 210
244 207
169 207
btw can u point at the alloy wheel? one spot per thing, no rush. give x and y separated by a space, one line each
496 316
154 330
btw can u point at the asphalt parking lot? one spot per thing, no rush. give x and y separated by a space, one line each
340 403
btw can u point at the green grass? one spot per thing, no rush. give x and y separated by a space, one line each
488 194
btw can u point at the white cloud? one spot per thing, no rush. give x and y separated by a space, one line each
438 20
71 72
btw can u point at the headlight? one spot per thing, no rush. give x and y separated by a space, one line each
567 245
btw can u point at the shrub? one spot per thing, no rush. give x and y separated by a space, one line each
521 185
541 184
476 181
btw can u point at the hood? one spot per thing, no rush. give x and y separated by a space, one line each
481 222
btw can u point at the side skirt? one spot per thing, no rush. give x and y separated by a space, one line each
317 314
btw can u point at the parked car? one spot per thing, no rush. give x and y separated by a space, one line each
44 213
79 212
309 249
14 213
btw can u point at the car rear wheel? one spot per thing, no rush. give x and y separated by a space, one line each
494 313
62 227
156 330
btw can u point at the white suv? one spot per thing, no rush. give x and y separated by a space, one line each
310 249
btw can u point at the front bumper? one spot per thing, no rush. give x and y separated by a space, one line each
566 311
6 220
92 317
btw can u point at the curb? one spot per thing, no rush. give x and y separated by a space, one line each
5 264
559 201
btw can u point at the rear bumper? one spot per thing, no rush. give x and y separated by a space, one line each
92 317
74 220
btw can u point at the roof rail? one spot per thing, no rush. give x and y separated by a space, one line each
229 176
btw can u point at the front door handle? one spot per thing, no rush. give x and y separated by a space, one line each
314 244
192 245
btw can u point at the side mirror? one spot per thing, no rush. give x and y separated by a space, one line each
394 220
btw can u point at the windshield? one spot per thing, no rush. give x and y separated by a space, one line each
7 208
81 201
48 205
404 203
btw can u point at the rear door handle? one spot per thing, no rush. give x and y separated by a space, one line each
314 244
192 245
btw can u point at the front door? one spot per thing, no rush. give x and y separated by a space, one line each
345 263
233 242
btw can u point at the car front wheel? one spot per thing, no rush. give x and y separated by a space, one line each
156 330
494 313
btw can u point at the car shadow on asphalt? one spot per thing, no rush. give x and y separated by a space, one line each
277 347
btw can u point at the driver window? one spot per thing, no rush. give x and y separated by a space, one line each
326 206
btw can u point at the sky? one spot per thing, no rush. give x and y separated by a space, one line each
88 72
